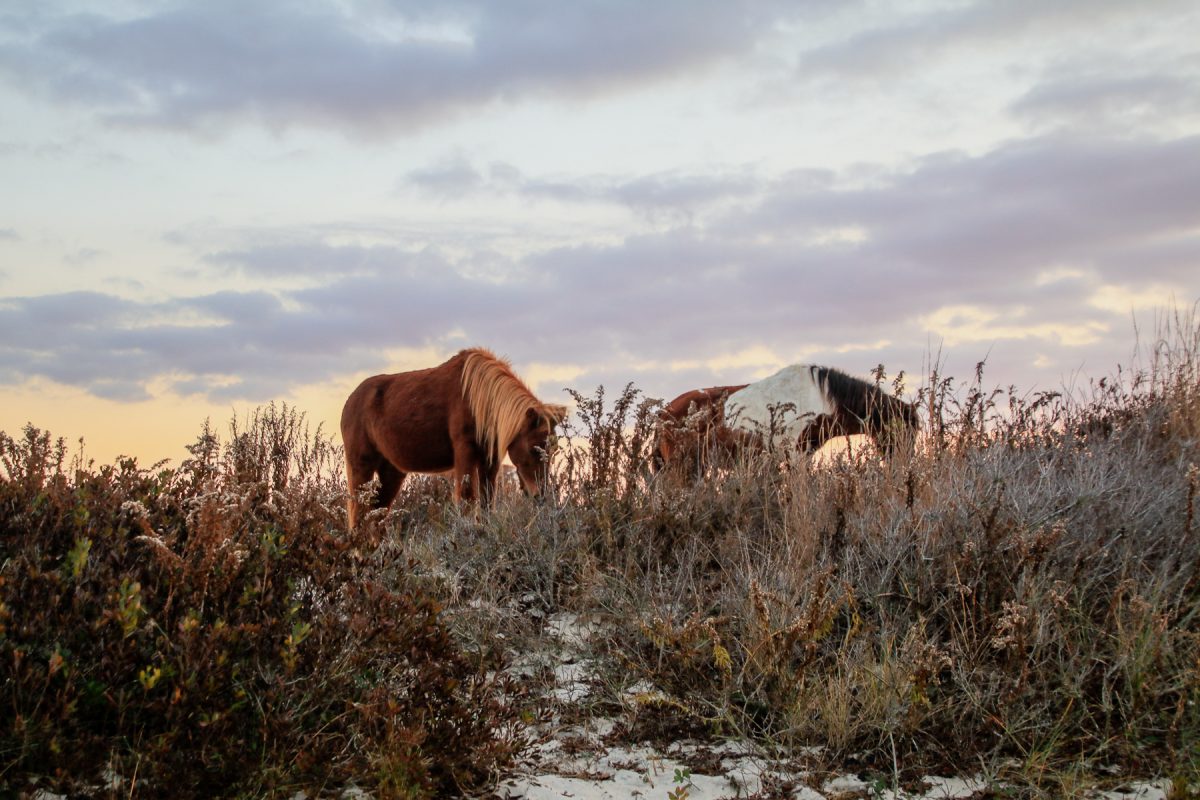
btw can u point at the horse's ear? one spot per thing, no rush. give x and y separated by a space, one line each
555 413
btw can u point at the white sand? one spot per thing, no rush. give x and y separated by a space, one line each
573 761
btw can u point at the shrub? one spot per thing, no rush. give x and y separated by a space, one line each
215 627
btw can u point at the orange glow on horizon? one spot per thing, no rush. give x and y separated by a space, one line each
150 430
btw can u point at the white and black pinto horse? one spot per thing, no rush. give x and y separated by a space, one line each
802 406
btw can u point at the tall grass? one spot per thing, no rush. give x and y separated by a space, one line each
1017 596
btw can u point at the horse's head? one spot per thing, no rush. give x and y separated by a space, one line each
899 431
820 430
530 450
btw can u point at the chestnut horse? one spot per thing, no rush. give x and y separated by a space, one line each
802 404
692 427
459 417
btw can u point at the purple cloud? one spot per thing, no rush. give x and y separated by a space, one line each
1010 246
366 69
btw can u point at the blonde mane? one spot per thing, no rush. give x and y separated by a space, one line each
499 401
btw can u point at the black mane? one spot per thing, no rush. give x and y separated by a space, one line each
864 399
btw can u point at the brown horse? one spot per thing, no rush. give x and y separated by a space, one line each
692 428
805 404
459 417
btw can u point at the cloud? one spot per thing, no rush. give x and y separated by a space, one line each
1026 252
1107 101
307 258
970 226
677 194
452 177
367 69
894 44
955 230
83 256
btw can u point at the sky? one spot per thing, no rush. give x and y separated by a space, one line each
215 205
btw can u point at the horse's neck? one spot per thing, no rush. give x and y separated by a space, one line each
750 408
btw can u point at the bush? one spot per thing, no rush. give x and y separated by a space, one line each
1021 590
215 628
1018 595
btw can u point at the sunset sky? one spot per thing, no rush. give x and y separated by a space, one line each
208 206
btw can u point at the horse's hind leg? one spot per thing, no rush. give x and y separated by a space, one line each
390 479
359 473
356 476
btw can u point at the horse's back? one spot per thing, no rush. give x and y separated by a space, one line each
404 417
750 408
372 399
696 399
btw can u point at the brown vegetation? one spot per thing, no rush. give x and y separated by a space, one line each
1019 596
212 630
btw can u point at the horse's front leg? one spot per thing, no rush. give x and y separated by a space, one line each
487 483
467 464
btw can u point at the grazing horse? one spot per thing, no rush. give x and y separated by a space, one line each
802 404
459 417
692 427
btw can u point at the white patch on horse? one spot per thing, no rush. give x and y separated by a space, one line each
749 409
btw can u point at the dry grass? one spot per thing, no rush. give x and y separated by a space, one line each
1018 597
212 630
